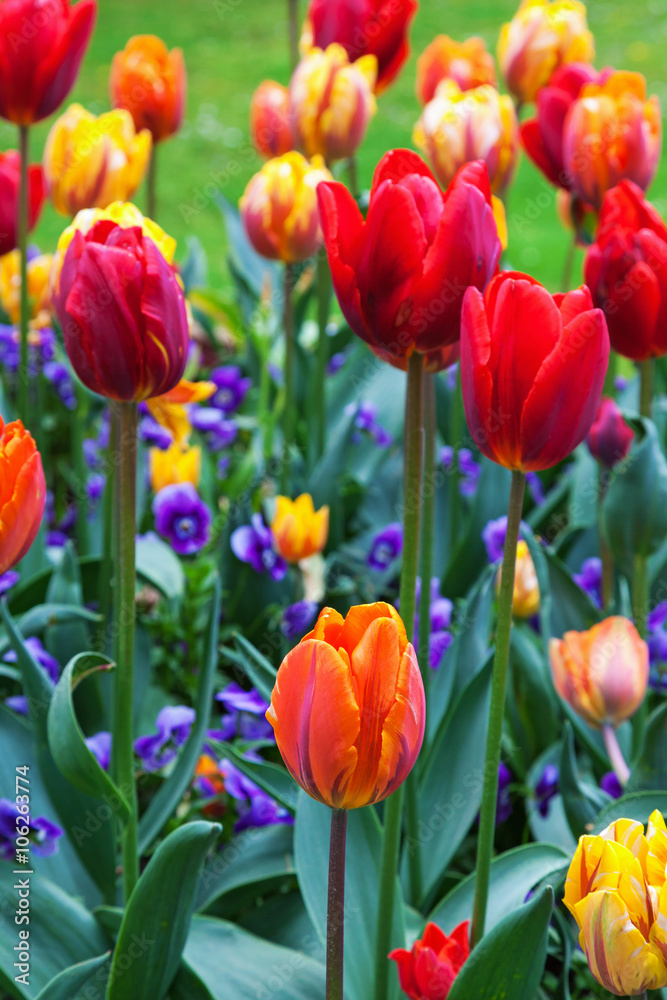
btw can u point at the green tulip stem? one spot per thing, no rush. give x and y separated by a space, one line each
336 905
615 754
455 435
289 411
606 557
646 378
293 24
412 488
568 264
23 254
123 614
106 581
428 524
77 425
151 181
640 577
487 821
353 178
323 298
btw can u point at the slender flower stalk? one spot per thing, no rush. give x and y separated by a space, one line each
78 417
124 613
568 263
456 431
151 181
487 823
640 577
336 905
646 378
323 299
412 485
606 556
23 251
107 575
289 413
353 178
616 758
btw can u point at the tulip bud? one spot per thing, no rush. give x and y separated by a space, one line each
332 102
176 464
348 707
10 176
150 82
22 493
90 162
459 126
541 37
427 971
526 598
609 439
270 123
298 530
120 306
602 673
467 63
612 132
279 207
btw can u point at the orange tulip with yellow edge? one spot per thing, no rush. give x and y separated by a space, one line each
299 531
617 893
467 63
542 36
39 270
601 673
612 132
348 707
526 598
91 162
176 464
22 493
169 409
150 82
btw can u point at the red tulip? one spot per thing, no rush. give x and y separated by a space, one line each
542 137
363 27
22 493
400 275
609 439
122 312
626 270
270 124
10 175
532 370
41 48
429 969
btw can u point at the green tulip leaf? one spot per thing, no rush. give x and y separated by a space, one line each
650 769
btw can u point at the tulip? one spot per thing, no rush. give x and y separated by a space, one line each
332 102
542 136
150 82
429 969
532 370
541 37
609 439
169 409
363 27
616 892
41 48
39 269
10 171
90 162
22 493
122 310
299 531
526 597
279 207
602 673
400 275
176 464
348 707
459 126
466 63
612 132
270 124
626 270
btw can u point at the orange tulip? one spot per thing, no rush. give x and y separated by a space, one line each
467 63
22 493
150 82
348 707
299 531
270 124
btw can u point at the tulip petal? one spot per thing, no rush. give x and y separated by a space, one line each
397 164
328 627
403 730
533 143
361 616
476 378
166 325
342 224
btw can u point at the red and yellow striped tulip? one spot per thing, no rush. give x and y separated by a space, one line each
270 124
467 63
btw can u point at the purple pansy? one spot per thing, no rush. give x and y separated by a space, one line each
182 517
100 746
439 643
535 488
493 537
336 362
470 472
253 544
220 432
8 580
504 803
610 784
297 618
366 420
60 378
656 622
43 834
255 807
154 434
546 788
386 547
173 726
589 578
245 716
231 388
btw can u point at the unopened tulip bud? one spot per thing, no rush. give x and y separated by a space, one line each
270 123
526 598
609 439
467 63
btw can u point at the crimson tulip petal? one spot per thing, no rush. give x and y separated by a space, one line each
342 224
398 163
533 143
56 75
476 377
573 303
163 308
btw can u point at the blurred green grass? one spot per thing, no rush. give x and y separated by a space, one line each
231 45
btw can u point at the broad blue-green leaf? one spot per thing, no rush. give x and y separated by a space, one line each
252 857
582 799
635 805
73 982
650 770
274 779
157 918
508 963
532 703
34 622
362 879
66 640
283 919
554 827
513 875
169 795
158 564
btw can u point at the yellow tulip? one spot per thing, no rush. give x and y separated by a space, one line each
177 464
169 409
617 893
299 531
39 269
90 162
541 37
526 598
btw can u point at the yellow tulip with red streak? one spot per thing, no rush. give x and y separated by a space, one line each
299 531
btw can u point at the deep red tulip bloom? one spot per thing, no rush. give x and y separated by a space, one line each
626 270
364 27
400 275
542 136
609 439
123 314
532 370
429 969
42 43
10 178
